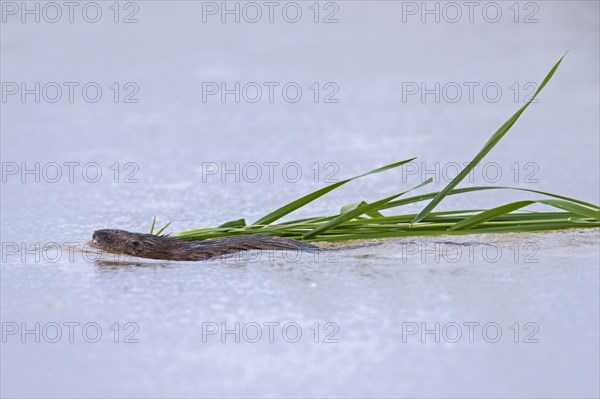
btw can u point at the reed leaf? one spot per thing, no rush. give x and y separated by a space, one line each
300 202
152 227
362 220
496 137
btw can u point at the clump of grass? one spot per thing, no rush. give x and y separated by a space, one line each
362 220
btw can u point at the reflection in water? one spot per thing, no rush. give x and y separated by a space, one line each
106 263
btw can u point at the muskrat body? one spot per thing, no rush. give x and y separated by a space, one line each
170 248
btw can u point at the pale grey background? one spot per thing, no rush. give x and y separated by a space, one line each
369 292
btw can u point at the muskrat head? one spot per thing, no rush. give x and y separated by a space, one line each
139 244
120 241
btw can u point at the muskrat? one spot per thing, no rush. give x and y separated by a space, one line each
170 248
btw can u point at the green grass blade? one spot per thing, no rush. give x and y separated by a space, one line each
496 137
456 191
300 202
494 213
353 213
574 208
153 223
490 214
163 229
349 207
349 215
234 223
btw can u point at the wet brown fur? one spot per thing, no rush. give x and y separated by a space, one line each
169 248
